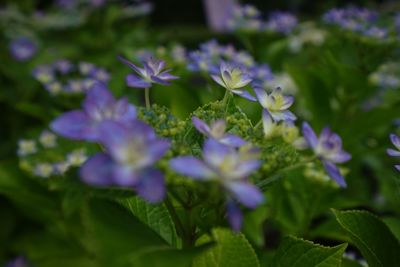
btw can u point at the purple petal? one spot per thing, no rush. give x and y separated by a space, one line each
397 167
98 170
124 175
395 140
98 99
151 185
393 153
201 126
247 194
131 65
191 166
115 137
124 111
166 76
309 135
261 94
244 94
232 140
214 152
135 81
341 157
283 115
74 125
334 173
234 215
157 148
218 80
245 168
157 79
287 102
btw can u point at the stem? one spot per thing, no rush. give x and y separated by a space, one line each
226 97
147 97
178 224
258 124
280 175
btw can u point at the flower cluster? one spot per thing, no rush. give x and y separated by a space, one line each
356 19
387 76
60 76
248 18
308 34
228 166
23 48
131 146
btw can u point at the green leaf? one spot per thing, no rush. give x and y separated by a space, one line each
295 252
232 249
114 231
156 216
371 236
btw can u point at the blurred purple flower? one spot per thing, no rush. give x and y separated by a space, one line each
63 66
22 48
131 152
282 22
19 261
328 148
394 153
228 166
98 106
233 79
153 72
217 131
276 104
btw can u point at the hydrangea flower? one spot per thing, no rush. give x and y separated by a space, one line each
153 72
99 105
282 22
276 103
228 166
43 170
328 148
19 261
245 18
217 131
48 139
22 48
26 147
233 79
131 152
394 153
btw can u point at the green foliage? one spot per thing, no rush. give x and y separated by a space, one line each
294 252
232 249
371 236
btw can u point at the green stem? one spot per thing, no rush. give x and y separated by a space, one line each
178 224
147 97
258 124
280 175
226 97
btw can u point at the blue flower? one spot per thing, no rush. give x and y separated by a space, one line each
217 131
328 148
281 22
276 104
98 106
153 72
394 153
131 150
19 261
23 48
234 79
228 166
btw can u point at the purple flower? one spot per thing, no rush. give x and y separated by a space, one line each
228 166
153 72
233 79
282 22
131 152
394 153
22 48
98 106
217 131
328 148
276 104
19 261
63 66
